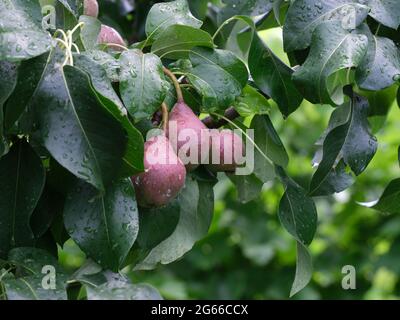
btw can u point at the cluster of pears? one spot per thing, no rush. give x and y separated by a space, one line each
165 172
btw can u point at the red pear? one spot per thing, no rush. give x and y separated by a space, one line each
110 35
164 174
91 8
226 151
188 135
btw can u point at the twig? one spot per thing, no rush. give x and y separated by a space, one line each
164 109
175 81
211 123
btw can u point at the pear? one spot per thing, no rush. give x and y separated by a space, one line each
91 8
164 174
226 151
110 35
188 134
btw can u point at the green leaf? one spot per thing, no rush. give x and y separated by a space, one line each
266 137
381 64
28 285
75 7
30 261
243 8
398 98
273 77
21 33
349 139
142 83
216 87
157 224
163 15
8 74
30 73
99 78
380 103
218 76
89 31
224 59
297 212
22 179
31 288
69 114
389 202
248 186
333 48
112 217
197 206
304 16
303 269
176 41
107 61
49 205
251 102
122 290
336 181
133 157
386 12
104 226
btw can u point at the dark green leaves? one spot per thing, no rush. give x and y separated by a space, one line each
386 12
333 48
389 202
133 157
157 224
163 15
104 226
303 269
22 179
21 34
75 127
251 102
225 60
348 138
36 269
245 7
142 83
89 31
30 73
381 64
217 75
298 215
122 289
177 40
8 74
273 77
304 16
197 205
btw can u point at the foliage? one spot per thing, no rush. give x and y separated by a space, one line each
74 114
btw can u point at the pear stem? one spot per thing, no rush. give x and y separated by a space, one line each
175 81
164 109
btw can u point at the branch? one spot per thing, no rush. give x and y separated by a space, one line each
211 123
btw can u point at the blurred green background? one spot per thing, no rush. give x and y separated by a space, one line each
248 255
